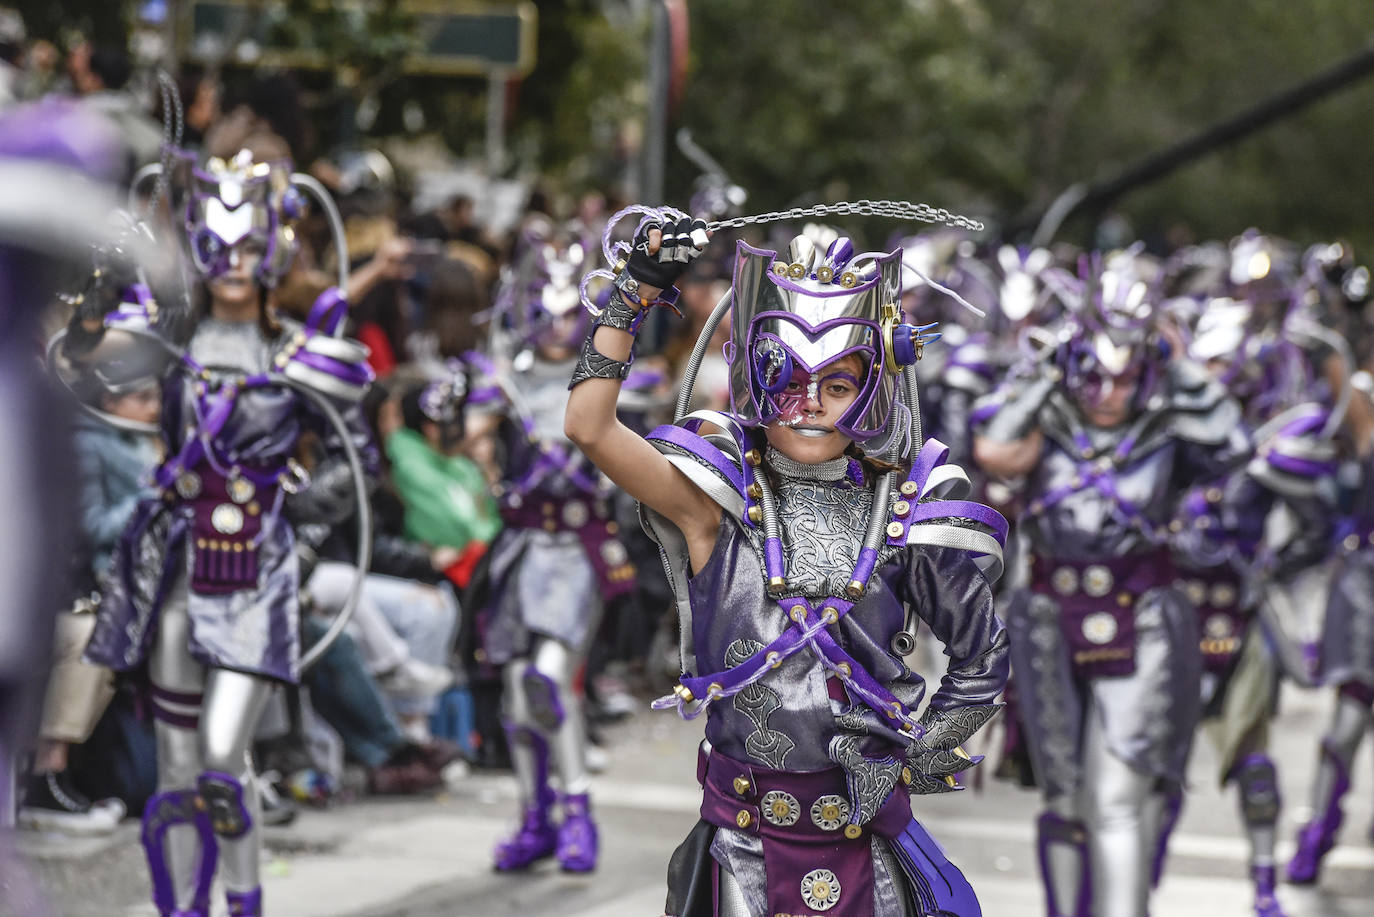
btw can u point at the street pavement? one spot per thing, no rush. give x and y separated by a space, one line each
429 857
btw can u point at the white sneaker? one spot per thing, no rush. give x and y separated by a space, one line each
416 677
597 759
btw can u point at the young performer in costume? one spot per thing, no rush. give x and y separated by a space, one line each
556 562
805 532
202 591
1107 435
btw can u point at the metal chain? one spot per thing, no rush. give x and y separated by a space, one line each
901 210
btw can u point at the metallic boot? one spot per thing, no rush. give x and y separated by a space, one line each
244 904
577 841
1053 830
1317 837
537 838
1266 904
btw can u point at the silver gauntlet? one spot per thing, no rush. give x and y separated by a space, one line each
1016 417
591 364
620 315
938 755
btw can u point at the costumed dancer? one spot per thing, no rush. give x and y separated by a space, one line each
1240 541
203 587
805 533
556 562
1107 433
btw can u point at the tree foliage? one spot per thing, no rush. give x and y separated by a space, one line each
996 106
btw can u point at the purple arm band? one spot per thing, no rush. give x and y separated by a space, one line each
690 442
353 373
1299 466
328 311
868 560
965 509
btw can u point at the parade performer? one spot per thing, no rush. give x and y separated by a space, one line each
805 534
557 561
1106 435
203 585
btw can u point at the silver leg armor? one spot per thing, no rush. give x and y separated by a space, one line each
1120 835
206 808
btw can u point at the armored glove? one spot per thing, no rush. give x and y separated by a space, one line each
938 755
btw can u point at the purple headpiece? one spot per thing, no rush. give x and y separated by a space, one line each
1113 337
806 312
539 302
243 204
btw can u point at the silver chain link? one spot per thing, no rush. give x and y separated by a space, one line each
901 210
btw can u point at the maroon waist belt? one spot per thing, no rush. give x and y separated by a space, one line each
1215 593
1097 600
815 858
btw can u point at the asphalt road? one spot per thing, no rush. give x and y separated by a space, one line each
431 856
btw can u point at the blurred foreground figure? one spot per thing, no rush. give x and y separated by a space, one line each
806 533
1106 435
48 153
202 591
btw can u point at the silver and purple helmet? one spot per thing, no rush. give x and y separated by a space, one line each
241 202
808 310
539 303
1113 337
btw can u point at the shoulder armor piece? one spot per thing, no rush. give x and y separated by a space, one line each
312 356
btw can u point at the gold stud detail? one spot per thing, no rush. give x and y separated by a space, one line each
1123 599
779 268
776 584
685 693
895 530
744 819
755 514
753 457
714 689
797 614
908 488
844 670
852 831
906 776
825 273
849 279
742 785
854 589
754 491
830 615
901 507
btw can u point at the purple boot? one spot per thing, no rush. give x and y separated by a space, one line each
244 904
1052 831
577 843
537 838
1317 837
1266 904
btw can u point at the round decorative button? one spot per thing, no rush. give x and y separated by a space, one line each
240 490
1097 581
744 819
852 831
820 889
1223 595
780 808
1218 627
1064 580
1196 590
1099 628
830 812
227 519
613 553
575 514
188 485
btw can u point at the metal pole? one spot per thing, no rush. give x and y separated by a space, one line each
656 124
1157 165
496 123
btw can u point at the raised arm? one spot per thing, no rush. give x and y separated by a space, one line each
624 456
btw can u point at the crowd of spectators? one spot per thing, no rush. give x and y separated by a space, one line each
402 703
